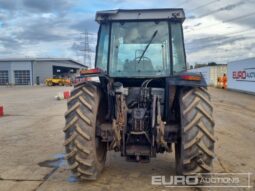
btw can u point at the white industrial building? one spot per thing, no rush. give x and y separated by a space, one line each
211 73
31 71
241 75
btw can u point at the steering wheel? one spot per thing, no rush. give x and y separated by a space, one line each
143 58
144 64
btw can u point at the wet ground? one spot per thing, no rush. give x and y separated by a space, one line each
32 153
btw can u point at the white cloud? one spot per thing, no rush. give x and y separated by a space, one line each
35 28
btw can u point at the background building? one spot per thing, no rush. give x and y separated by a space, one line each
31 71
211 73
241 75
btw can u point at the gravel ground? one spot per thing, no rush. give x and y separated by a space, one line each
32 151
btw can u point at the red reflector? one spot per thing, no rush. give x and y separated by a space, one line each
91 71
66 94
1 111
191 78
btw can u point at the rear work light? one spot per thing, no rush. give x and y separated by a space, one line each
191 77
91 71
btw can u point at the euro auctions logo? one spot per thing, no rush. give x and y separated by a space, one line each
206 180
175 180
247 74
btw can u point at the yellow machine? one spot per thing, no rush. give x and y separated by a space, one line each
57 81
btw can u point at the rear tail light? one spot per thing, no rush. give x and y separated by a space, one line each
191 77
91 71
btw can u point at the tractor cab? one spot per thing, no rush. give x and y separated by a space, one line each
141 43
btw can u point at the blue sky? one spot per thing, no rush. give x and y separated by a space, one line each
215 30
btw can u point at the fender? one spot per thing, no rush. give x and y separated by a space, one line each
188 79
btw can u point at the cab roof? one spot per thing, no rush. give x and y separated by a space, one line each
140 14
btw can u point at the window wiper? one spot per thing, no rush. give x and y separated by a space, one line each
147 46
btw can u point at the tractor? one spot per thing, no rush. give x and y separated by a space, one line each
144 101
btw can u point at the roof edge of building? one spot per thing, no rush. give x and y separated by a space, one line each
236 61
41 59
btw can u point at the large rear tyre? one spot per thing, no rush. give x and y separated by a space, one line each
86 154
194 150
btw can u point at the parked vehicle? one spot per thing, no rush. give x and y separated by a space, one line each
57 82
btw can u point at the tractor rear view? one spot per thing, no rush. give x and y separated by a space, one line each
144 102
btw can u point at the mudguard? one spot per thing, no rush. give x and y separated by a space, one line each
189 79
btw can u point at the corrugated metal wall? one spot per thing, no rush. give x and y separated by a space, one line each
11 67
211 73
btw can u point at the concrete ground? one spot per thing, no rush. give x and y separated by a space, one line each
31 139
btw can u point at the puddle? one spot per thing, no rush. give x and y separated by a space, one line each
72 179
59 155
57 162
